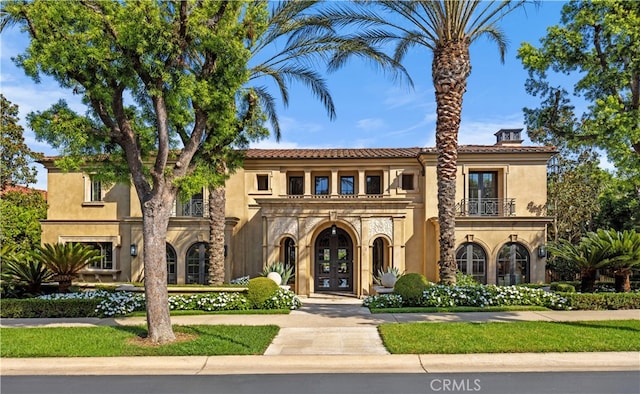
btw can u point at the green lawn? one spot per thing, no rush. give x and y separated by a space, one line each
515 337
120 341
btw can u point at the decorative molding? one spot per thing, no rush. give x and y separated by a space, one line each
381 226
356 223
282 225
310 223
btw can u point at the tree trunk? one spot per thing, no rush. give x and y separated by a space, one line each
216 235
588 281
155 216
622 281
451 67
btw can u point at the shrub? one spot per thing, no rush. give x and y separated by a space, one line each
465 280
410 287
66 260
48 308
383 301
563 287
282 299
260 290
603 301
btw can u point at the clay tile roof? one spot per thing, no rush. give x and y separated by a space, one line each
498 149
330 153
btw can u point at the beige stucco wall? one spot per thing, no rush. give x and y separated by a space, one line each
259 220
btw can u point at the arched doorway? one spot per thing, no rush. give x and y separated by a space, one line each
172 265
513 264
472 261
197 267
288 256
333 261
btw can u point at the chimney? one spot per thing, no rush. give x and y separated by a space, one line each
510 137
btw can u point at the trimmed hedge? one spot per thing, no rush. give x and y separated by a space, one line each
411 287
259 290
602 301
39 308
563 287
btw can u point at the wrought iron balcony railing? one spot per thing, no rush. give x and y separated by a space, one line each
192 208
486 207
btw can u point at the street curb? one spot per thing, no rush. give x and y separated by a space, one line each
309 364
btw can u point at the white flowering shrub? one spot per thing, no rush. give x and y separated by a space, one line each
389 300
283 299
475 295
123 302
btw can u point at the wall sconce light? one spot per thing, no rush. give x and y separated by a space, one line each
542 251
334 230
133 250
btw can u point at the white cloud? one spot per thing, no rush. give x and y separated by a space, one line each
370 124
292 126
481 131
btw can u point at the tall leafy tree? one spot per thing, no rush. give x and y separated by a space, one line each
21 212
447 29
597 44
13 149
160 79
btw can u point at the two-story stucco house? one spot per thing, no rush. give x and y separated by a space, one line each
336 216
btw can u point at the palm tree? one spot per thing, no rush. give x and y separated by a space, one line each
308 38
624 255
66 260
447 28
588 256
23 269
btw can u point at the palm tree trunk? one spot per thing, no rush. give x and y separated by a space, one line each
451 67
216 234
622 281
588 281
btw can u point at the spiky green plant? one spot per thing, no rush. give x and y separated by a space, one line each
279 267
28 271
66 260
623 255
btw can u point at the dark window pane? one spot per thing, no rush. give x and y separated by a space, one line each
322 185
407 181
347 185
296 185
263 182
373 184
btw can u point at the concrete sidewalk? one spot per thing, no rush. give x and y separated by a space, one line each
329 334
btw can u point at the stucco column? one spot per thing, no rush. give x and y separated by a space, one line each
365 260
303 261
229 224
362 189
398 243
334 182
307 183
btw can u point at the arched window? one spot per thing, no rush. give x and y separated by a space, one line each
472 260
377 256
288 250
197 264
513 264
172 261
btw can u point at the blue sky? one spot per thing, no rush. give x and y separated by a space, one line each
372 109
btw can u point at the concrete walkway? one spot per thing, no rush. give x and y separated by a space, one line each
329 334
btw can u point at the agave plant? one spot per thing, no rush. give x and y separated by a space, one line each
66 260
279 267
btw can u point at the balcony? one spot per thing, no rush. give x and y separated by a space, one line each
486 207
192 208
